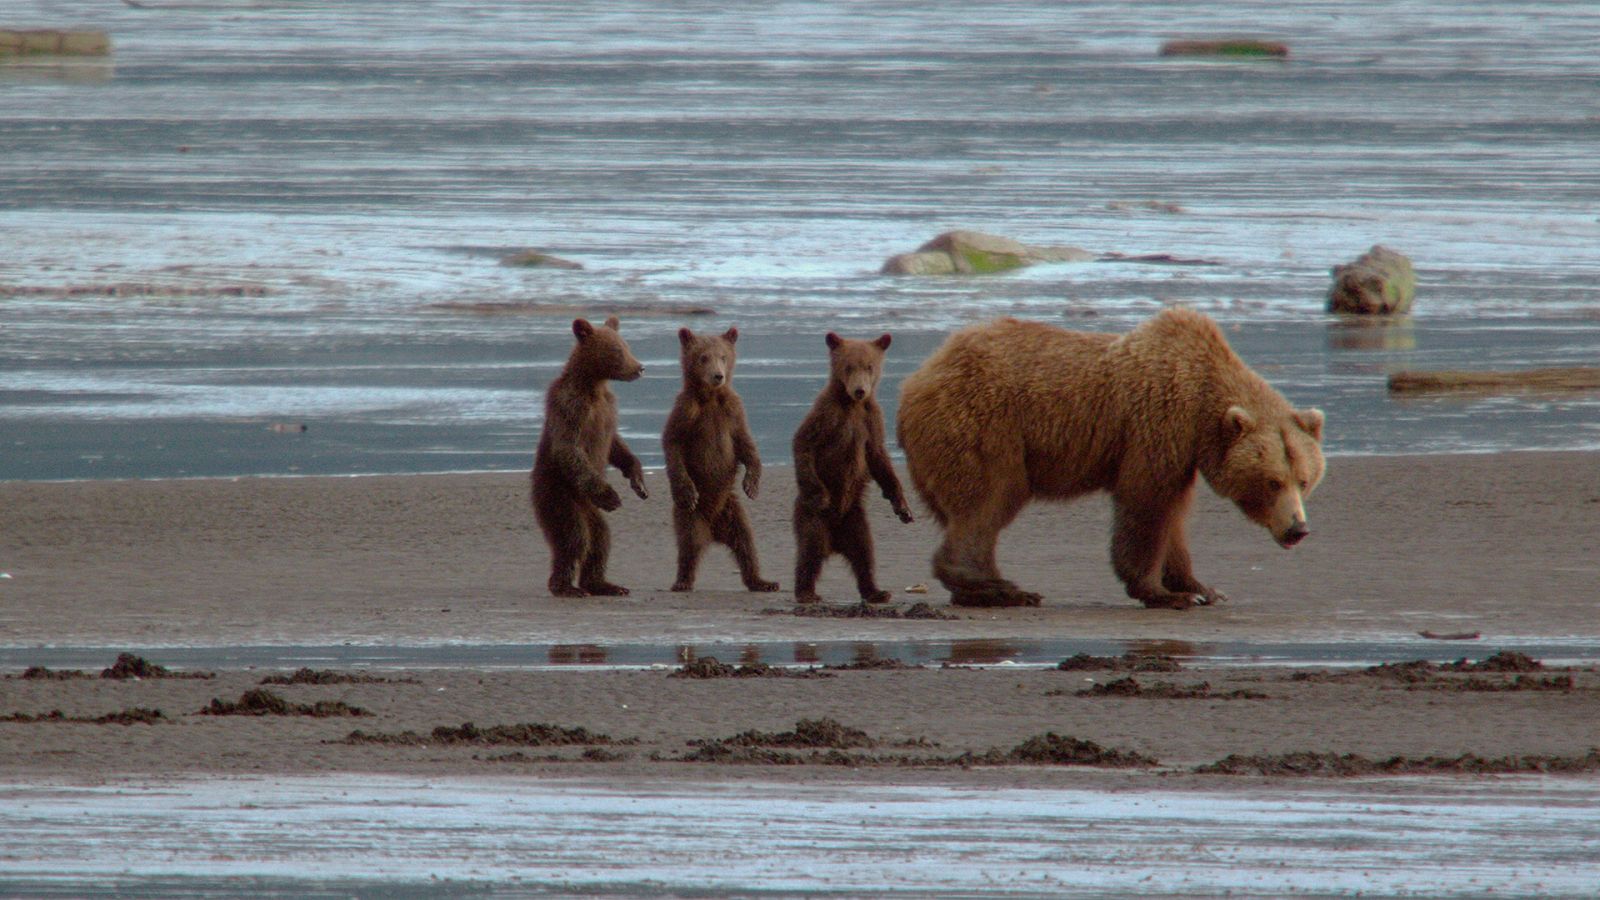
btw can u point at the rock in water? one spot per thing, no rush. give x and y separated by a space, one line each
976 253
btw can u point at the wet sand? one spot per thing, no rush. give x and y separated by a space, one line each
1493 544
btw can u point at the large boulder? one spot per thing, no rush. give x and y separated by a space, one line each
1379 282
976 253
535 259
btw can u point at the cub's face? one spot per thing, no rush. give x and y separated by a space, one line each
856 366
707 359
604 352
1272 465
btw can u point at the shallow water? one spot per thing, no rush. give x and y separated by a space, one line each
306 199
372 836
960 652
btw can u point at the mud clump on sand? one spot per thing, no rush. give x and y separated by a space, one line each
1130 687
328 676
40 673
1128 662
829 741
265 703
1423 672
591 754
1055 750
807 733
1504 661
1350 765
526 734
136 715
864 611
710 667
1487 685
888 664
129 665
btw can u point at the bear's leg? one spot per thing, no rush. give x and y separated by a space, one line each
852 537
566 534
732 527
1138 550
693 533
810 551
592 572
1177 571
965 562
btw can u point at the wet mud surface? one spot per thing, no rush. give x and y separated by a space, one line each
1501 713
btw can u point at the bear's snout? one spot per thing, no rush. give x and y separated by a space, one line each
1297 532
717 378
859 393
633 375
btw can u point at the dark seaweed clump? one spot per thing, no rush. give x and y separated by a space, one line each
328 676
265 703
710 667
829 743
1130 687
527 734
129 665
1348 765
1128 662
134 715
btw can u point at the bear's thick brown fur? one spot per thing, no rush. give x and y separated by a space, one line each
706 440
579 439
838 446
1008 411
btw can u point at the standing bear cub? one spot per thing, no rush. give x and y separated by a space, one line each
706 441
838 446
1009 411
580 438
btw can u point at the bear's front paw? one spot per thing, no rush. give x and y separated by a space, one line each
752 485
637 483
687 497
904 512
607 498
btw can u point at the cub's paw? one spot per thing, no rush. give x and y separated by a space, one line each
807 598
904 512
567 590
637 483
877 597
752 485
680 586
607 499
605 589
761 587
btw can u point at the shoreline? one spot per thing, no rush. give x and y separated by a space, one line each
1492 543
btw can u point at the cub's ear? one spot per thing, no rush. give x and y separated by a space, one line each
582 328
1311 421
833 341
613 323
731 335
883 342
1237 420
685 336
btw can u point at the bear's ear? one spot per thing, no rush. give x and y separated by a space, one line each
833 341
614 323
1236 421
1311 421
883 342
582 328
731 335
685 336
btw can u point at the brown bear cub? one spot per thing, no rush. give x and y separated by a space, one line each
1011 411
836 448
580 438
706 441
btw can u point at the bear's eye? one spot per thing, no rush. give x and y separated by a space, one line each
1274 485
705 359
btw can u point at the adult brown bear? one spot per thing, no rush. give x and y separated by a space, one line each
1008 411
